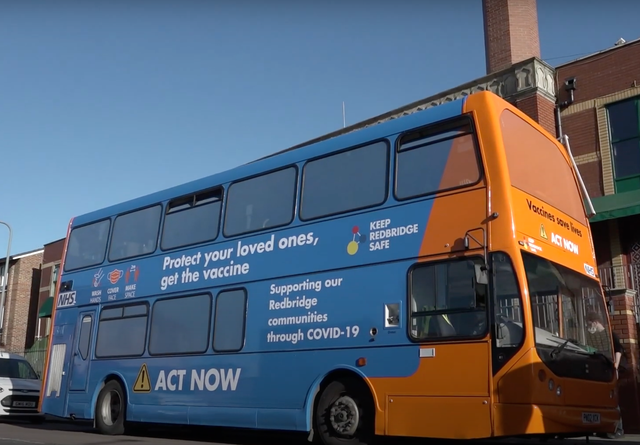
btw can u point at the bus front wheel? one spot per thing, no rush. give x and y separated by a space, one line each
344 414
110 409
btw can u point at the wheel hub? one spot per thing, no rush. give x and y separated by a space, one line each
111 408
345 416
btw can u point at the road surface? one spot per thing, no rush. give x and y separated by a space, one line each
59 433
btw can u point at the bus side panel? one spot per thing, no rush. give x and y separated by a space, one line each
63 335
266 385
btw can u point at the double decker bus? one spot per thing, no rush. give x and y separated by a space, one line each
429 276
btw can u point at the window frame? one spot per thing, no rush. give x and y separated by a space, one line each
193 196
388 146
106 245
91 317
502 354
432 130
123 306
209 325
612 141
113 229
410 314
244 320
258 175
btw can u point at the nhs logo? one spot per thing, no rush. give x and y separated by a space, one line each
66 299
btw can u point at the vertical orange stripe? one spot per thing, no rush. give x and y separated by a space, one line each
453 213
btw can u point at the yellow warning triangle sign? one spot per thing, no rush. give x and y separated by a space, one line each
543 232
142 383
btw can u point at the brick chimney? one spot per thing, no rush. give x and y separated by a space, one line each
510 32
511 40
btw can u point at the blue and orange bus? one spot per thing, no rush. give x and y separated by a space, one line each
430 276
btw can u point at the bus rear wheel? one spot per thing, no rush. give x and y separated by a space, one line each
344 414
110 409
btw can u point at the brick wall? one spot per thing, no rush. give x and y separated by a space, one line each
24 281
602 74
624 324
53 252
597 77
510 32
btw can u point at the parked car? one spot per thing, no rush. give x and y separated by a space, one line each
19 388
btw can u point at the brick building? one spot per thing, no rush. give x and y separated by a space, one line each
601 117
40 318
600 112
32 279
23 283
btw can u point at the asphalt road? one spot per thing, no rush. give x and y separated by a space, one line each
57 433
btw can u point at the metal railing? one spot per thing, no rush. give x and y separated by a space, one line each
621 277
35 357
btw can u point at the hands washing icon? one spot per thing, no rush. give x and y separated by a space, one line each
97 278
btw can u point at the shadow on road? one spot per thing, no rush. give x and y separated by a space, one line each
243 437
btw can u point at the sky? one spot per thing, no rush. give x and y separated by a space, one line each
105 101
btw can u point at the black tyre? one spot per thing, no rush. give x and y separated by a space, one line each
111 409
345 414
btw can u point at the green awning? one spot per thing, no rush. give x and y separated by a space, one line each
45 309
615 206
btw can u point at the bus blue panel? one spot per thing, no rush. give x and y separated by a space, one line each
252 390
374 132
387 234
265 376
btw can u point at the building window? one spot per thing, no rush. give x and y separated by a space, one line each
54 280
624 130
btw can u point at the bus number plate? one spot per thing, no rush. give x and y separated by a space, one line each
590 418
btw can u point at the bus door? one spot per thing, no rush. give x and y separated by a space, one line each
60 355
82 351
449 313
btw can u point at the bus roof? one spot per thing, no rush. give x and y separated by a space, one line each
424 117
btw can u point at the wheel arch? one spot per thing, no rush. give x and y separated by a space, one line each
107 378
323 380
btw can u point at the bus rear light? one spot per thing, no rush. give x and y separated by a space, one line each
542 376
361 361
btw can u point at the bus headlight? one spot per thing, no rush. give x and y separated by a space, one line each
550 384
558 391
